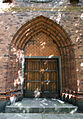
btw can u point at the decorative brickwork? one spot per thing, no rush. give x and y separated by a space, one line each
42 37
41 45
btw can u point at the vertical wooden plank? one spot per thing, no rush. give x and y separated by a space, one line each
40 73
35 75
25 81
56 76
30 75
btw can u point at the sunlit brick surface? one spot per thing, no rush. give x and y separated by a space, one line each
41 36
69 46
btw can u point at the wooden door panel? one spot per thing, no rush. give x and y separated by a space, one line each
49 86
32 86
33 76
41 74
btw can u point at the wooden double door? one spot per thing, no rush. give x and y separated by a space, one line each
41 78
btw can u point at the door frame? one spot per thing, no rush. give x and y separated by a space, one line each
41 57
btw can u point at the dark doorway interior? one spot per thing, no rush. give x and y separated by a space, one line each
41 78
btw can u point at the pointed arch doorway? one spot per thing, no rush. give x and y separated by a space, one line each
38 41
41 70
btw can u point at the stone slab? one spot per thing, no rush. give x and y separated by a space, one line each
40 105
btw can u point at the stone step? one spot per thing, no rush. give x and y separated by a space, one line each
40 106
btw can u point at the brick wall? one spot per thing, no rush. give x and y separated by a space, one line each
10 68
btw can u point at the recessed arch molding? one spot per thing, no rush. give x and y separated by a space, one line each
57 34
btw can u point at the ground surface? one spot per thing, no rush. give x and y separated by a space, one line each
40 116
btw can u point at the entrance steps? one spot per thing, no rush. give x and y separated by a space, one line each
40 105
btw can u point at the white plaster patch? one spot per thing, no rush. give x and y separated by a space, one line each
81 64
58 17
81 16
77 39
78 82
13 12
80 34
51 17
76 31
5 6
76 24
78 89
77 69
14 49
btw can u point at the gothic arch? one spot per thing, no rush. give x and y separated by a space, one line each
58 35
37 25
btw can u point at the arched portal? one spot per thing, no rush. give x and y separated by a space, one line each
48 42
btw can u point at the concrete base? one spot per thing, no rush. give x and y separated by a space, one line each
40 105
